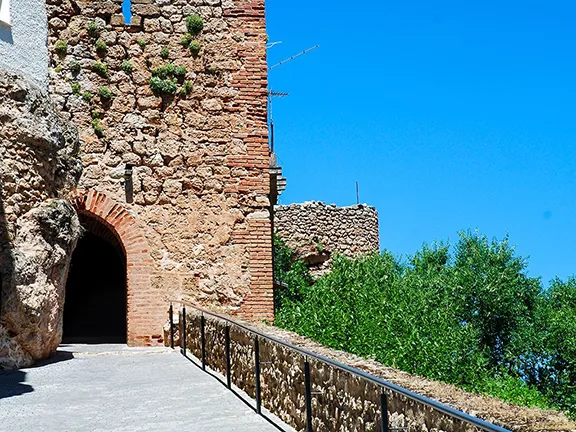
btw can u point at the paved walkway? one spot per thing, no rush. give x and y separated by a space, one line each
112 388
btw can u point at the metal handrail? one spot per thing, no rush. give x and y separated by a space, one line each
452 412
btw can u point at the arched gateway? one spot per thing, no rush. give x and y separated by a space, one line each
115 243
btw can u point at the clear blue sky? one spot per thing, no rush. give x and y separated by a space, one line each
451 115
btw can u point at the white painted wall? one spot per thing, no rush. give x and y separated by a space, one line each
24 38
5 12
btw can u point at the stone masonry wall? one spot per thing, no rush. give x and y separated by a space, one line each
198 192
316 231
340 400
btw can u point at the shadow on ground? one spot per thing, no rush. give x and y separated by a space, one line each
12 383
58 357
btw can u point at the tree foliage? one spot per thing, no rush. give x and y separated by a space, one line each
468 315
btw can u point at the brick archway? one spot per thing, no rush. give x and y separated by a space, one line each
144 310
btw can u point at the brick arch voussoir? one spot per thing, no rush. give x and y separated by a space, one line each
117 219
139 265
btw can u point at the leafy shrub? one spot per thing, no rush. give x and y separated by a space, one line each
100 68
61 47
127 66
553 368
472 317
194 24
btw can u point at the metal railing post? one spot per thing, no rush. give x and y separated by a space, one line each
203 340
171 312
384 422
228 368
308 389
183 335
257 373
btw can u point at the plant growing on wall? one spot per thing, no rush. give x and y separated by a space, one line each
100 68
87 96
161 86
180 71
96 124
194 24
166 78
127 66
105 93
212 70
164 71
186 39
61 47
93 29
164 52
76 88
98 128
194 48
186 88
101 47
74 66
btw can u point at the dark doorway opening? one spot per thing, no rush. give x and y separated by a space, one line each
95 303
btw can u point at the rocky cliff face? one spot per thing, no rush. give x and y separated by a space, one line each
38 227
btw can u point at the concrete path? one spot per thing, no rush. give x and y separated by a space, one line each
113 388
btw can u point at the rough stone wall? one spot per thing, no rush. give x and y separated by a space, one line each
340 400
316 231
200 182
38 227
23 43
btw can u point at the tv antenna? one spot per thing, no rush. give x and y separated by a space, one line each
293 57
272 94
272 44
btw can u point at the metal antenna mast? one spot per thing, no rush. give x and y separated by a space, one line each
273 94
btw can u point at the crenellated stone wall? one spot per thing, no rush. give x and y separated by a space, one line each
317 231
197 154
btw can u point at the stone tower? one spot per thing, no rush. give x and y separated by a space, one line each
171 116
